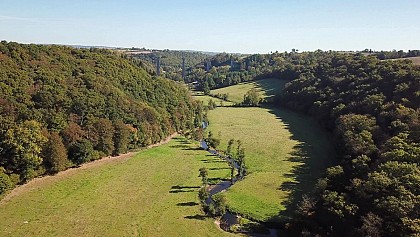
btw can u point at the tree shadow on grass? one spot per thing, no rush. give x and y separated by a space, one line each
312 155
196 217
214 161
220 168
183 189
180 146
187 204
193 149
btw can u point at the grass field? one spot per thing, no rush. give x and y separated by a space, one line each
206 98
266 87
151 194
285 153
415 60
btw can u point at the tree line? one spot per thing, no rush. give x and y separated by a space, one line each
61 107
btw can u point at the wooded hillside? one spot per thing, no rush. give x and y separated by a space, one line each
61 106
373 108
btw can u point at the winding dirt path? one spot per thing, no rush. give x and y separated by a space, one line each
31 185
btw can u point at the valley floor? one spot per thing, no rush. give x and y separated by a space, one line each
285 153
154 193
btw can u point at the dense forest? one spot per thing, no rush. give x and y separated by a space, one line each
230 69
61 107
170 61
226 69
372 108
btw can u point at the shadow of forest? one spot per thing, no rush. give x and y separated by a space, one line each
314 153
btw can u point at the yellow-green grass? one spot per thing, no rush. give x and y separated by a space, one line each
206 98
151 194
285 153
415 60
267 88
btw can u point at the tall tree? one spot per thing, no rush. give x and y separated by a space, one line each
55 154
104 132
121 137
25 143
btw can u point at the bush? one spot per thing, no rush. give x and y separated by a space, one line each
81 152
5 182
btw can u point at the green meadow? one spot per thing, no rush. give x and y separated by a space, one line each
152 194
206 98
285 154
267 88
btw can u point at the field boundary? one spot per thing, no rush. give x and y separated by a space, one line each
105 160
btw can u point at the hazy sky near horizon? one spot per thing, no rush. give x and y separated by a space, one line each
243 26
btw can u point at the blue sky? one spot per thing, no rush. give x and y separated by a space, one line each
214 25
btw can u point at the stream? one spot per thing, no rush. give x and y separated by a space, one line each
228 219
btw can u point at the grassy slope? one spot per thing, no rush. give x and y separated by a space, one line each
285 153
266 87
132 198
415 60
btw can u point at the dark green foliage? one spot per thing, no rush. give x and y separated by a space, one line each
55 154
203 194
211 104
81 152
5 182
251 98
204 176
229 151
372 107
212 141
240 157
219 205
171 62
80 94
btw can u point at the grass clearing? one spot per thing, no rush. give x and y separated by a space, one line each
415 60
285 153
152 194
266 87
206 98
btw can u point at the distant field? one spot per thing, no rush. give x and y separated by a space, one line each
285 153
151 194
266 87
205 98
415 60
